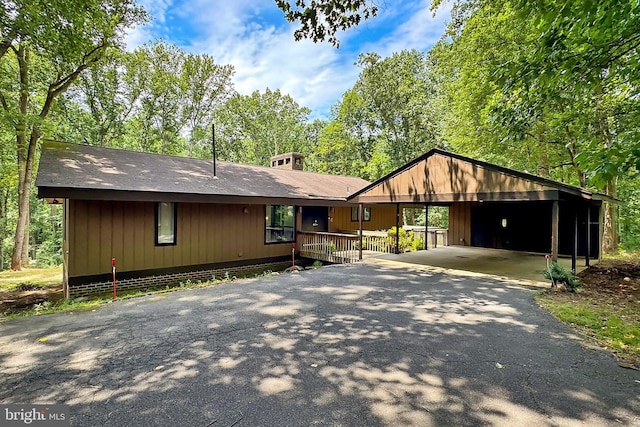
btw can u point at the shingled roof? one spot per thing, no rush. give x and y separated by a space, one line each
89 172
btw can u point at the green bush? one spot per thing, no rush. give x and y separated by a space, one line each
405 241
559 276
418 244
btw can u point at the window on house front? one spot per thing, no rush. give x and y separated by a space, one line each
279 224
355 217
165 223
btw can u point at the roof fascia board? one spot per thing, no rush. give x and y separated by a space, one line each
142 196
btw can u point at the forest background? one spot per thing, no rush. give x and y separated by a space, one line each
548 88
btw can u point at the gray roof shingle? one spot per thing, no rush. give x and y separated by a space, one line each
65 166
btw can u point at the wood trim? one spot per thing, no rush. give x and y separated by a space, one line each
463 197
143 196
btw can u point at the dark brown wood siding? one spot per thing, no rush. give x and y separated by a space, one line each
206 233
383 217
460 224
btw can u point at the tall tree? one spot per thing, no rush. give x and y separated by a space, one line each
106 95
256 127
161 100
389 113
45 47
206 86
563 74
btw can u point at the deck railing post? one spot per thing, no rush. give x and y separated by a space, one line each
360 219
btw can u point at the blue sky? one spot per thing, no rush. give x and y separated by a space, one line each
254 37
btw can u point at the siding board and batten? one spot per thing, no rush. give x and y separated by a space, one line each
228 232
439 178
383 217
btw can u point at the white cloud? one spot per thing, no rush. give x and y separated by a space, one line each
259 43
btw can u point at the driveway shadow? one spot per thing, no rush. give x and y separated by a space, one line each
361 345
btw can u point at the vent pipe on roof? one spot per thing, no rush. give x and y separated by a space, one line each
213 147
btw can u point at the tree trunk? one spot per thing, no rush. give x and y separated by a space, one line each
543 167
22 149
610 238
25 243
3 224
24 195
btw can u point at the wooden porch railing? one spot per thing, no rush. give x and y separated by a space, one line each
342 248
331 247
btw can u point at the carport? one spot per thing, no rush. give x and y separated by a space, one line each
491 206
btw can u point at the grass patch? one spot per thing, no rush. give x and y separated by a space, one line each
40 277
614 327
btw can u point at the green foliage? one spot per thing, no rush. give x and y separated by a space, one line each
629 193
438 217
320 20
254 128
385 120
559 276
406 238
417 244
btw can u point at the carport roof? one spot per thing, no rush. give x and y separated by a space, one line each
439 176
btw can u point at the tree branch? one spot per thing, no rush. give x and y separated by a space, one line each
3 102
7 43
89 58
63 84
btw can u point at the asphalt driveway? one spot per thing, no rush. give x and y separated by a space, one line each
351 345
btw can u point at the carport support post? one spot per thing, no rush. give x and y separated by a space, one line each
600 231
426 226
397 228
555 220
586 255
574 251
360 216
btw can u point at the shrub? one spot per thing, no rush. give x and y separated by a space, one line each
558 275
405 241
418 244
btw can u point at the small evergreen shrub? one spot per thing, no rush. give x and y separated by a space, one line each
558 275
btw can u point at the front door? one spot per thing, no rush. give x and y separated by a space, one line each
315 219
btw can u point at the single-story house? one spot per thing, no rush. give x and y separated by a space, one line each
167 219
495 207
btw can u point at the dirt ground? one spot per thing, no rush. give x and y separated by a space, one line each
619 281
25 297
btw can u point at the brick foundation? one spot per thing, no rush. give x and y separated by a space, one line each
97 288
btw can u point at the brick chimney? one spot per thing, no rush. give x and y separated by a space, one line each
290 161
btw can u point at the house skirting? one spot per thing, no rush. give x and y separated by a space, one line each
78 287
